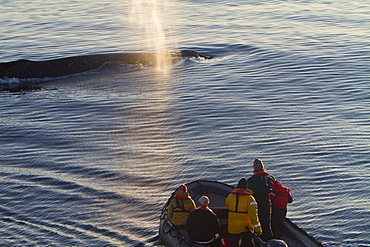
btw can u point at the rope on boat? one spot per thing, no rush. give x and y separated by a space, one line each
173 232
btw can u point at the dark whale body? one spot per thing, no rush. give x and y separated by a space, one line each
23 69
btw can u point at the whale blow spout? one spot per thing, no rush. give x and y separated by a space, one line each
148 20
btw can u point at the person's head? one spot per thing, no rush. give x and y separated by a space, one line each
183 187
242 184
258 165
276 243
204 201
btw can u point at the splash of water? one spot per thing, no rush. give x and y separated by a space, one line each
148 16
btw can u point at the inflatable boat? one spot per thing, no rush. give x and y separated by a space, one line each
217 192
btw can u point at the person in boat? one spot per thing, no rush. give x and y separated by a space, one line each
261 183
181 205
280 196
243 216
203 225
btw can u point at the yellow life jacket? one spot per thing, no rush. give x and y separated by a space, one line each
243 212
179 208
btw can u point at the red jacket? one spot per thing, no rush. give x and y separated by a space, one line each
280 195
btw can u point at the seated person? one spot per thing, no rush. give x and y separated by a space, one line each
203 225
181 205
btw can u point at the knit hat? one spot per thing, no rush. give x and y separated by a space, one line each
258 165
183 187
204 201
242 184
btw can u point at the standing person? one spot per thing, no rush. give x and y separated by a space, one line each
243 216
280 197
261 184
203 225
181 205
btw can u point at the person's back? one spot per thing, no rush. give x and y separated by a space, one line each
203 225
242 216
181 205
260 183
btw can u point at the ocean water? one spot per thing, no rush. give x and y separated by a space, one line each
91 158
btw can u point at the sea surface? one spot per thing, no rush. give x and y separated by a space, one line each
90 159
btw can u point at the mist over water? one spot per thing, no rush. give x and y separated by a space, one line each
90 159
150 18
